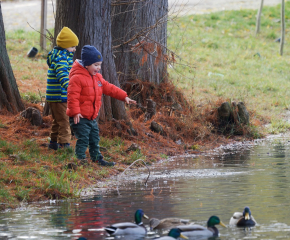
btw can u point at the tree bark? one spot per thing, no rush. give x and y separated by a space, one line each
91 22
139 31
10 98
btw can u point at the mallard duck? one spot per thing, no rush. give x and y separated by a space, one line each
197 230
244 219
128 228
166 223
174 233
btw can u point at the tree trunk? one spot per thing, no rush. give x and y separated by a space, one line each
10 98
258 22
91 22
139 31
282 27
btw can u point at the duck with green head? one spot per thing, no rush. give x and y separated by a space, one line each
200 231
243 219
128 228
174 233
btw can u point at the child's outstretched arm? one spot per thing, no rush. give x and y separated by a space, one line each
115 92
130 101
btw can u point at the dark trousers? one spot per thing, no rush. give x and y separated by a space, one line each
87 134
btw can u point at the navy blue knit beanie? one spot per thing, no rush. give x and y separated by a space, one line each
90 55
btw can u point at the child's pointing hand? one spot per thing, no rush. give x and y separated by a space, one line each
130 101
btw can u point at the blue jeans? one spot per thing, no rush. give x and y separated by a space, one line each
87 134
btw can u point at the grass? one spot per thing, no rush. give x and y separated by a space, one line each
27 175
31 97
279 126
2 125
29 72
227 60
59 183
134 156
30 173
6 147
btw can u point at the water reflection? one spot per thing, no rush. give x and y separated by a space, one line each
192 187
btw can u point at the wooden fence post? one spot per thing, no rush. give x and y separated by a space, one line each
43 24
258 22
282 27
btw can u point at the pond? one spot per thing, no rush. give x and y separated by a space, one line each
218 183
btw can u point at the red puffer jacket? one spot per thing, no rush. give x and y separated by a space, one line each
84 92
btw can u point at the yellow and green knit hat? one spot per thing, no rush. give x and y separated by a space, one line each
67 38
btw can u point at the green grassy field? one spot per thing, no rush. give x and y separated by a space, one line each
228 61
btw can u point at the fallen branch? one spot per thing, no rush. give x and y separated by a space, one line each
127 169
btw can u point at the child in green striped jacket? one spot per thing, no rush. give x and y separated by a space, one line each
59 62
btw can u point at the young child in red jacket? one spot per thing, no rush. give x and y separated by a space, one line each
84 100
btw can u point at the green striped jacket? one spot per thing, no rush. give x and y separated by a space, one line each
59 63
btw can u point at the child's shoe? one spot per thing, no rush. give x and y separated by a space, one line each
64 145
53 145
100 161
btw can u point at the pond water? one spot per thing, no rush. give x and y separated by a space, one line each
193 187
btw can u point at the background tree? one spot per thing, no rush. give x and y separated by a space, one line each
91 22
10 98
139 31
